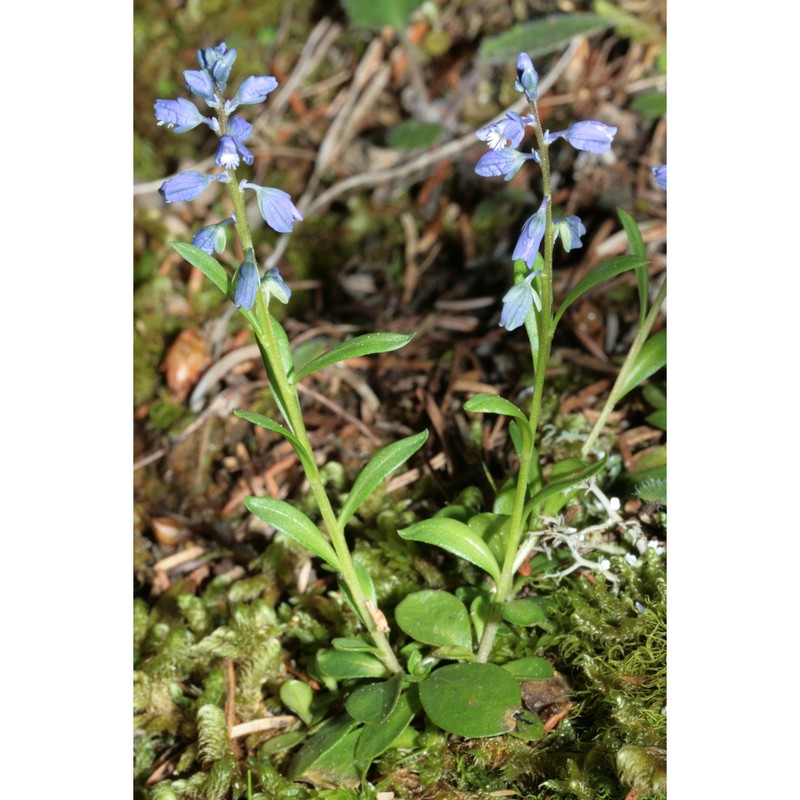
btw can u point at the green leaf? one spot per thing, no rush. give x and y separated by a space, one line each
650 105
410 134
608 269
565 483
326 740
297 697
658 419
627 25
457 538
295 524
305 457
376 15
207 264
529 726
380 736
471 700
636 243
375 701
562 469
651 358
492 404
379 467
283 741
540 38
525 611
434 617
366 345
342 666
529 669
353 644
284 349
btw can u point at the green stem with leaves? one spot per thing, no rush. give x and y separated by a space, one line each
505 587
290 404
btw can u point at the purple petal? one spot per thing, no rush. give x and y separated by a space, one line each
227 155
276 207
505 162
247 283
570 229
660 174
253 90
187 186
180 113
591 136
531 237
199 82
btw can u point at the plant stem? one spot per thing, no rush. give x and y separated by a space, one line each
506 585
625 369
290 404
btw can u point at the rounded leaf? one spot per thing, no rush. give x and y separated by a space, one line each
530 669
434 617
526 611
471 699
374 702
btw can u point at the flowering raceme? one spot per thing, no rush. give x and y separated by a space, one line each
503 137
276 206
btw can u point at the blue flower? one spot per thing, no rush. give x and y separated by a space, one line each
505 162
570 229
274 286
276 207
527 77
660 174
510 129
180 112
199 82
239 129
531 237
253 90
218 61
591 136
227 155
187 186
212 237
518 302
247 280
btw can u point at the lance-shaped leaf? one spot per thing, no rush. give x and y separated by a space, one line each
380 465
207 264
379 736
636 243
492 404
214 271
305 457
651 358
608 269
366 345
295 524
457 538
564 483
